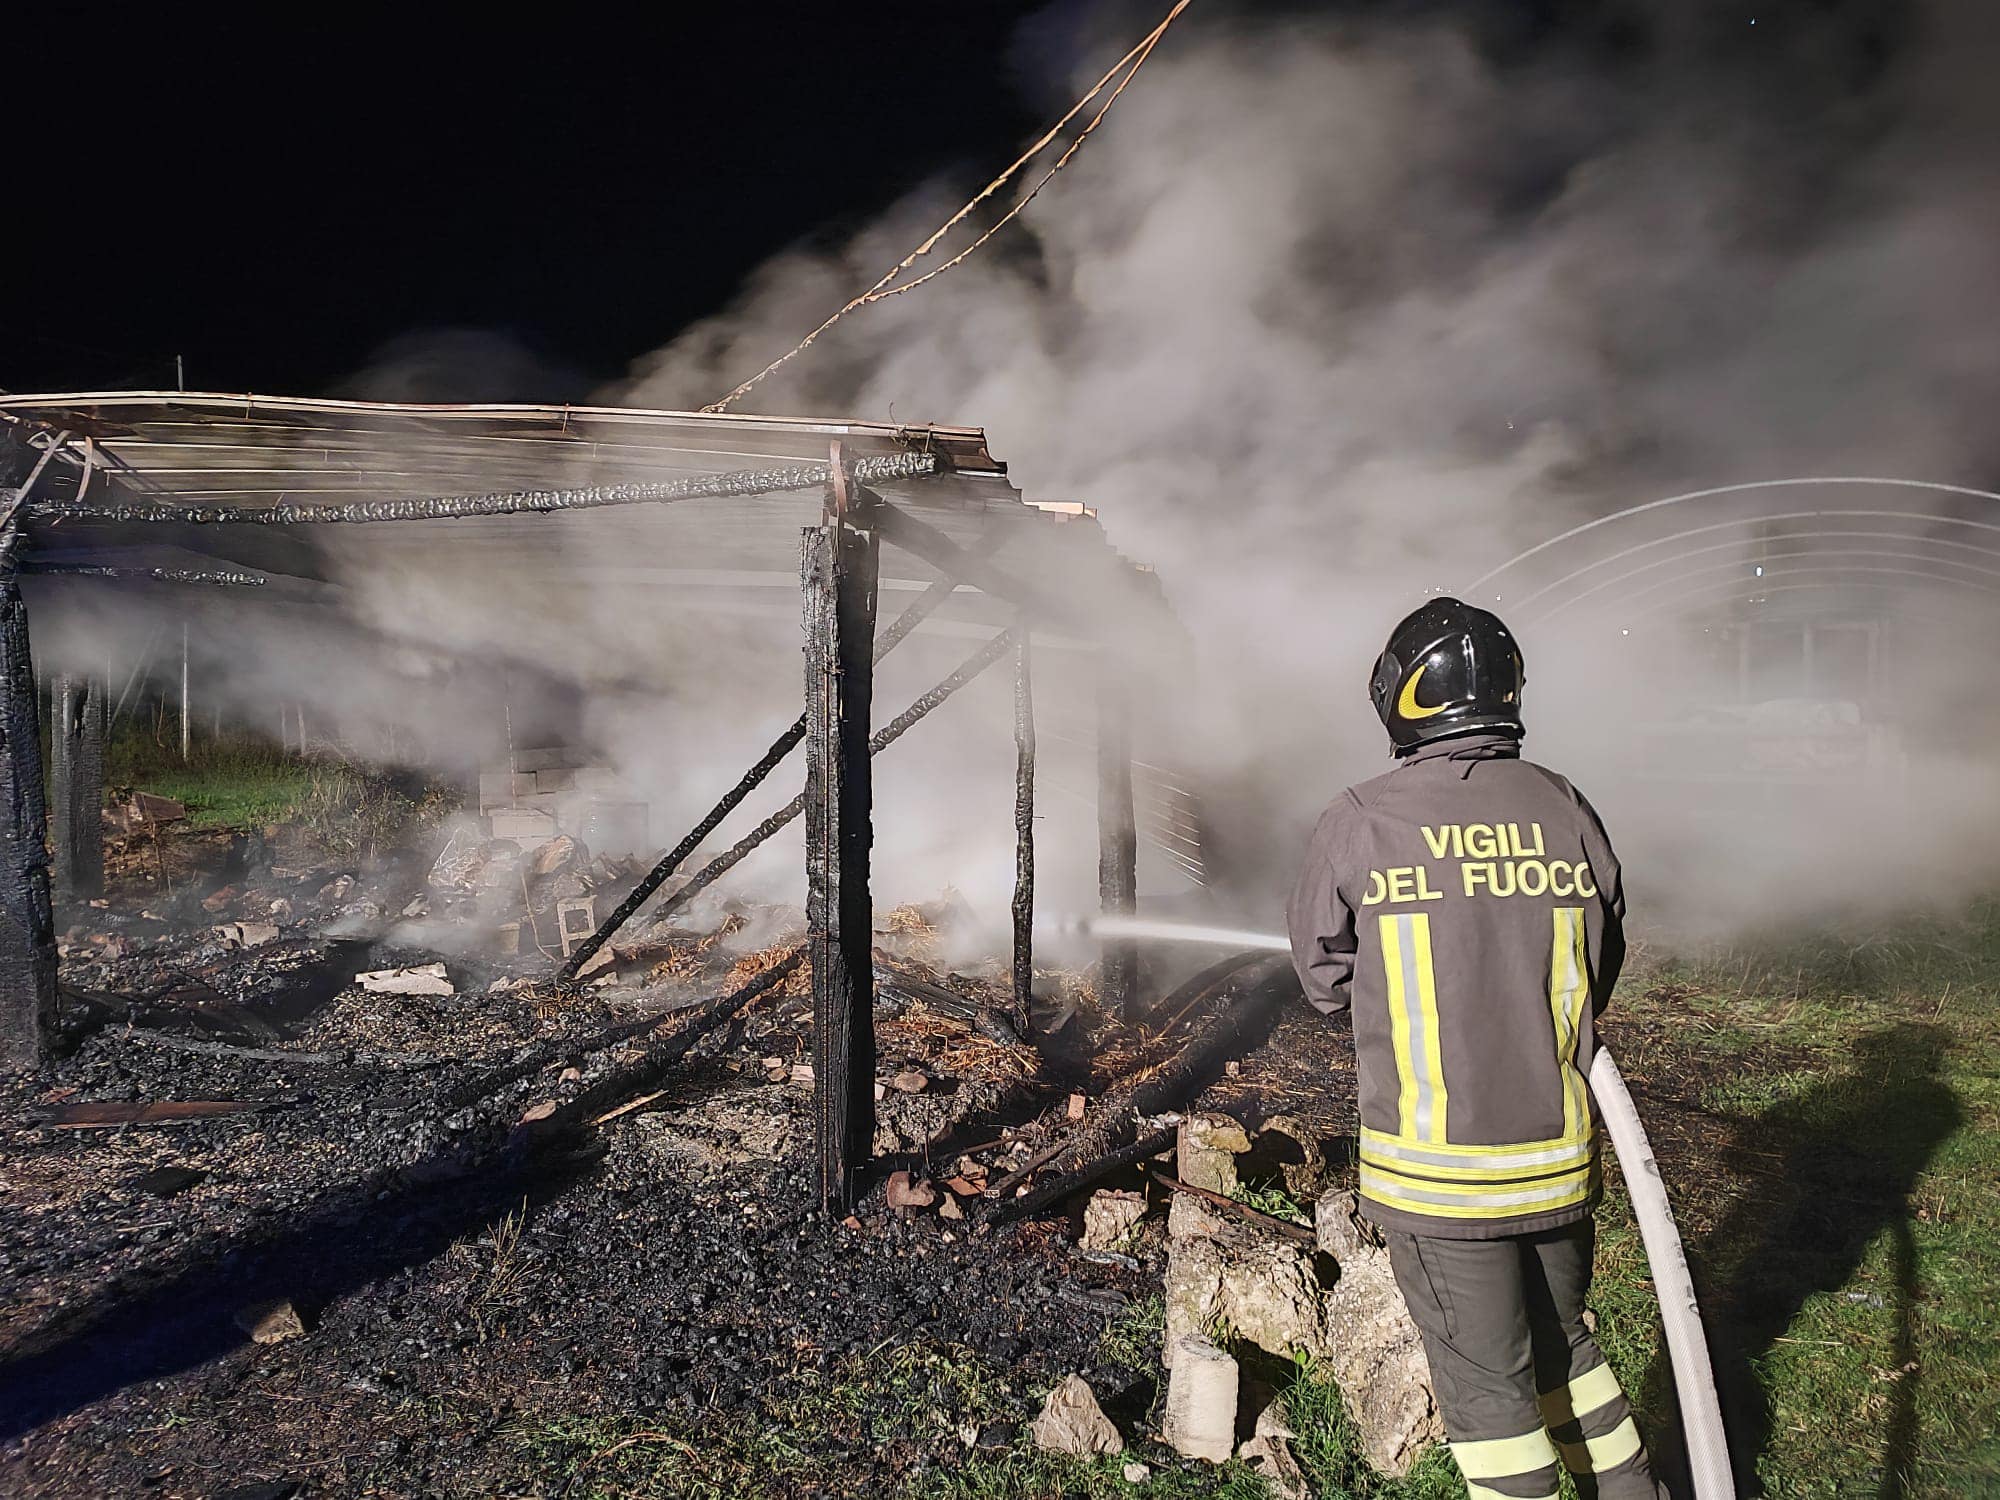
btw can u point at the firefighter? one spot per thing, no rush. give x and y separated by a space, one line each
1466 910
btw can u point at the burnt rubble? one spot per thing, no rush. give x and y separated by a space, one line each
643 1143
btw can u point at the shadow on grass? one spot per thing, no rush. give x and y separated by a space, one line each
1850 1150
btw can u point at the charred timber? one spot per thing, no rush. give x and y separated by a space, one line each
499 503
838 570
1024 828
782 746
217 576
76 765
27 922
1245 992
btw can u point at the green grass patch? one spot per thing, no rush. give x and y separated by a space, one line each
1853 1274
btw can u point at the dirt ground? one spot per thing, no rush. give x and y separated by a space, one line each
461 1304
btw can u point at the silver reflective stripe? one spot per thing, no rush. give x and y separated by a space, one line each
1574 1152
1421 1042
1403 1188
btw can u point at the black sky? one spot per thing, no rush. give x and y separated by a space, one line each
275 199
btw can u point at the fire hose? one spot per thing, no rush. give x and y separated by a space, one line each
1680 1317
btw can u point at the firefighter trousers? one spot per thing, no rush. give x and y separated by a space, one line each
1519 1381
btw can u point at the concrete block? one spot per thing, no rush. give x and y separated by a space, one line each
598 779
576 919
559 780
496 788
523 825
1201 1401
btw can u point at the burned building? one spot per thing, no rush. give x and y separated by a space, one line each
228 510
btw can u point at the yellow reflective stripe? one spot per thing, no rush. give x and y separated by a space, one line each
1451 1150
1591 1391
1570 1156
1394 1176
1431 1120
1390 930
1503 1458
1394 1193
1568 980
1595 1455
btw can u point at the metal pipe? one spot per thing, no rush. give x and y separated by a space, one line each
1518 558
500 503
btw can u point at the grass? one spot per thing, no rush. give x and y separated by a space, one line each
1853 1272
244 782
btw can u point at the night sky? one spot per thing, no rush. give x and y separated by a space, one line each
277 199
280 199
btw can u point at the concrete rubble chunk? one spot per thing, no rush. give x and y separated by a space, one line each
417 979
1269 1291
246 934
1269 1452
903 1193
1374 1352
1201 1401
1072 1422
1207 1152
1137 1473
270 1322
1109 1216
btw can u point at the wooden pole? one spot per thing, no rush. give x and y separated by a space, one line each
837 576
1024 828
27 924
1117 837
76 761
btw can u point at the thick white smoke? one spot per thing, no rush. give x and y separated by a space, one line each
1335 312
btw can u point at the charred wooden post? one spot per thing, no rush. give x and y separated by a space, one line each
1024 828
76 763
1117 836
27 925
837 574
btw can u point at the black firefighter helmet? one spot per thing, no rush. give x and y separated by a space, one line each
1449 668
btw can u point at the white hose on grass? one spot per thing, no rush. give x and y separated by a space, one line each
1687 1345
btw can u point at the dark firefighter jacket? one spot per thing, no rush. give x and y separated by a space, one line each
1466 909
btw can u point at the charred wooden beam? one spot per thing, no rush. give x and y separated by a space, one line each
782 746
228 577
27 924
838 579
1246 990
76 763
500 503
1117 838
1024 829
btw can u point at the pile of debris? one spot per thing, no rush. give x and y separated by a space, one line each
1244 1289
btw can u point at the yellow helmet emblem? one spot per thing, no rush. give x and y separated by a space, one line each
1406 701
